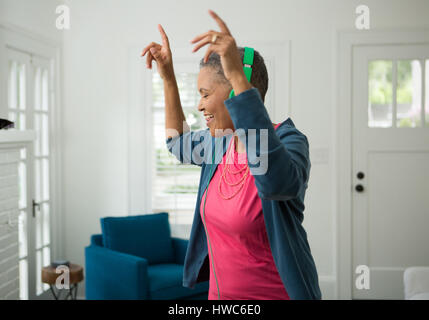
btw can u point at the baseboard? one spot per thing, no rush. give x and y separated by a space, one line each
328 286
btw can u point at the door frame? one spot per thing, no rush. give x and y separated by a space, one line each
342 117
12 36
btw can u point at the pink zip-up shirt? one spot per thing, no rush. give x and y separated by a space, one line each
242 258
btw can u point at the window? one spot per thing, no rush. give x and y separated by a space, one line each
396 96
175 185
17 95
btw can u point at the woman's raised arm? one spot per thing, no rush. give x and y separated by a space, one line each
285 172
175 121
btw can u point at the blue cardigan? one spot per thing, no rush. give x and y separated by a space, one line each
281 189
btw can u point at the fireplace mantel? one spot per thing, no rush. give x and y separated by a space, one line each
12 136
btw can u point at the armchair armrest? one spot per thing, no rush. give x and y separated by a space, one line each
416 280
179 246
114 275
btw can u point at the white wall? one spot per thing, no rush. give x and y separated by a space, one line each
35 16
96 93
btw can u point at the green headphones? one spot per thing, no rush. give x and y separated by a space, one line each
248 63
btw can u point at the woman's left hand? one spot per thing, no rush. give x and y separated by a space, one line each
225 47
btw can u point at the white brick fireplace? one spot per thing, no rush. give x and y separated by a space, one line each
11 142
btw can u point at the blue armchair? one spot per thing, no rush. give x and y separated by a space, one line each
136 258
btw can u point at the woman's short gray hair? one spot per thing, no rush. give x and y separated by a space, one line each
259 77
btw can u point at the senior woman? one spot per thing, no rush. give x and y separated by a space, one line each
247 236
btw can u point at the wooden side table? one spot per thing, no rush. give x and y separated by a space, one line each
49 276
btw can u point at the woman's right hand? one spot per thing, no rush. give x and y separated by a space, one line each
162 56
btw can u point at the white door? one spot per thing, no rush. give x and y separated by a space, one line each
390 122
29 101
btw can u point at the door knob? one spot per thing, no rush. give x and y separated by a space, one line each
359 188
360 175
35 204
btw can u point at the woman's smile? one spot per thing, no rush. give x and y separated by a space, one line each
209 118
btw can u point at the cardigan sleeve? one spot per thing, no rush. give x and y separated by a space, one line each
285 171
190 147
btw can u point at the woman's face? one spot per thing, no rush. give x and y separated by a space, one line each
213 94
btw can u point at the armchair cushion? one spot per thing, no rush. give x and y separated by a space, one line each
147 236
166 283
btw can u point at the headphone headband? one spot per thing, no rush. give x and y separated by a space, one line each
248 63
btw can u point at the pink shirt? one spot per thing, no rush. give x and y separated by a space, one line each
243 261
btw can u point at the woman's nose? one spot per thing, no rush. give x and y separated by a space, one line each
200 107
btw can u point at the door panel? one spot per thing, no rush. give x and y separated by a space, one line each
41 118
391 147
29 105
399 222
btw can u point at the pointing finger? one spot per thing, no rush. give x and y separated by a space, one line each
220 22
165 41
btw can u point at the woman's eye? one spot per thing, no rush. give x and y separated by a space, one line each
205 96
